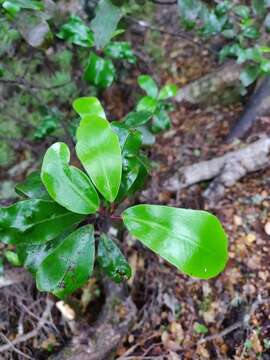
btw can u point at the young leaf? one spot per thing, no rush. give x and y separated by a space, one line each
13 258
14 6
76 32
35 221
105 22
32 187
147 83
112 261
167 92
69 265
99 150
67 185
89 106
99 72
193 241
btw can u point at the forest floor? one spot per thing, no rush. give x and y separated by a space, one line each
178 317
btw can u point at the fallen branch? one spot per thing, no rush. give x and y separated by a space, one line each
219 85
226 170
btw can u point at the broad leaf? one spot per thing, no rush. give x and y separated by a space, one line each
76 32
112 261
32 187
167 92
99 72
35 221
105 22
69 265
147 83
67 185
89 106
14 6
193 241
99 150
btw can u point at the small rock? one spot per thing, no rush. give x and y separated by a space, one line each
267 228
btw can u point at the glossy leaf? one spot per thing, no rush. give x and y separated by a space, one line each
148 84
69 265
147 103
32 255
12 258
67 185
32 187
105 22
112 261
193 241
137 118
89 106
35 221
120 50
99 72
99 150
167 92
76 32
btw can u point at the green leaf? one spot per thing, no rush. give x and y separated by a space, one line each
69 265
137 118
105 22
35 221
242 10
76 32
99 150
249 74
14 6
260 7
67 185
112 261
167 92
12 258
89 106
161 121
32 255
148 84
32 187
200 328
120 50
265 66
147 103
193 241
48 126
99 72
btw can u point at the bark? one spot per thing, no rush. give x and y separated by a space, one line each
226 170
259 105
99 341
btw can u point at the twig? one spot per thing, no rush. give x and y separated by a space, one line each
13 347
30 334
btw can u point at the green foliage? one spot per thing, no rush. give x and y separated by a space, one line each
14 6
241 25
100 72
76 32
49 229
